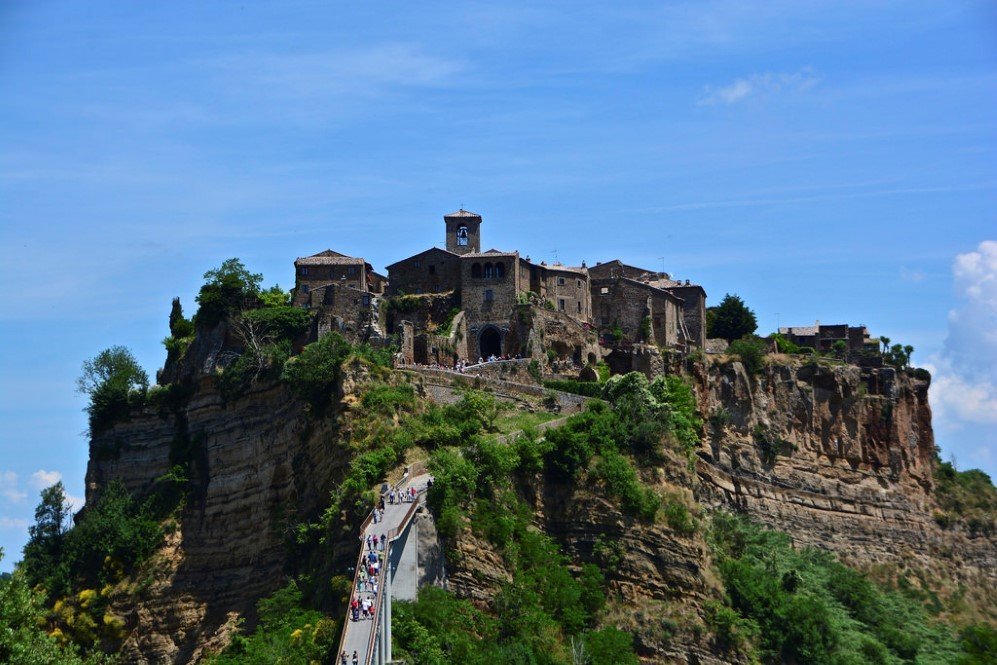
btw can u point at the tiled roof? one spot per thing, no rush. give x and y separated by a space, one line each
463 213
319 260
803 331
489 253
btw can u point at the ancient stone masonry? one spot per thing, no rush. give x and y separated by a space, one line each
823 337
626 304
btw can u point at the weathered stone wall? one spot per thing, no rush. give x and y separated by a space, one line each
693 312
568 291
310 278
535 330
626 303
426 312
432 271
488 301
340 308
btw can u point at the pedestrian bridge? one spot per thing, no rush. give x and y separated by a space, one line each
398 578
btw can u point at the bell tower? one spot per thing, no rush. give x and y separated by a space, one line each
463 232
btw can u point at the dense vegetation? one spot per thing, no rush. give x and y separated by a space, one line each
789 605
967 498
114 382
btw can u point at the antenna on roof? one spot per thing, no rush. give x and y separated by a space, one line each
662 259
555 254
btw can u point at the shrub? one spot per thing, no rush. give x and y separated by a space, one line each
770 445
317 371
279 322
751 352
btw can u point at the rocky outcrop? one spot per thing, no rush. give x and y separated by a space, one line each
258 466
841 458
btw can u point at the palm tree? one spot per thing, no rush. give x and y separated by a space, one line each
885 341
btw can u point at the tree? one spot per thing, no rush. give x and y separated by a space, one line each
43 552
111 379
226 290
732 320
179 326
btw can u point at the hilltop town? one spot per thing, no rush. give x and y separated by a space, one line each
460 305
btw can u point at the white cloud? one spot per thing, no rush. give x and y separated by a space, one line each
41 478
75 502
9 487
758 85
964 389
911 275
13 523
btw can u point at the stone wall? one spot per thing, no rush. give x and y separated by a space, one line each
350 311
433 271
626 303
693 312
426 312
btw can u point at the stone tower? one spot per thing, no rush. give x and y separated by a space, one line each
463 232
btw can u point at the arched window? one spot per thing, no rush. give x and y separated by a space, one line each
461 236
476 270
489 271
500 270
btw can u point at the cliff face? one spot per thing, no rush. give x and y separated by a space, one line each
258 466
839 457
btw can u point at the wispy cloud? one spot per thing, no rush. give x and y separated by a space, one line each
9 488
41 479
767 84
911 274
13 523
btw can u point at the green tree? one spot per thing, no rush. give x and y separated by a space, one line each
732 319
179 326
43 552
114 381
225 291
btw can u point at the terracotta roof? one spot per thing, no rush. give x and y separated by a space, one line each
579 271
319 260
462 213
489 253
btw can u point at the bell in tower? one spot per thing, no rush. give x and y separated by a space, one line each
463 232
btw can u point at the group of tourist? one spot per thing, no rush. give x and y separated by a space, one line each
401 496
362 604
462 365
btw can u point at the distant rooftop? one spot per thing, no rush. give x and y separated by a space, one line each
328 258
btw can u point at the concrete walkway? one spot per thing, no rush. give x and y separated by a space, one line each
359 635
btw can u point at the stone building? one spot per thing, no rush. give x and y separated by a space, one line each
692 296
311 272
432 271
637 311
823 337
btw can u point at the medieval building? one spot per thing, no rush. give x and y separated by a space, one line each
459 302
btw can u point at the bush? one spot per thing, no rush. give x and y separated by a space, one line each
751 352
811 608
280 322
317 372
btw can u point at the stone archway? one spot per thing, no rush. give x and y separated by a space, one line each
490 342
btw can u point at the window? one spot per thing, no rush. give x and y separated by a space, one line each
560 281
351 271
489 295
304 270
579 306
461 236
417 264
560 304
476 271
579 284
304 288
500 270
489 271
604 290
432 270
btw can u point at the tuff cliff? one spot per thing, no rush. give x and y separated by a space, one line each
840 457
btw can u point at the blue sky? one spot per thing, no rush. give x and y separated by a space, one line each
823 160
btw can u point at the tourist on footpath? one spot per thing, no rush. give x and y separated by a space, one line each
356 658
